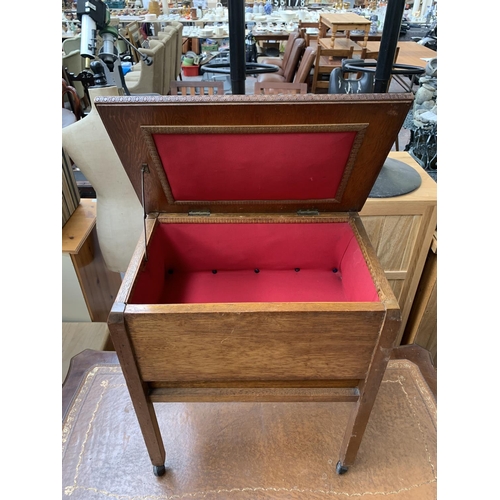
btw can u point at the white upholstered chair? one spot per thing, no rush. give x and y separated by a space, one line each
177 26
168 38
148 79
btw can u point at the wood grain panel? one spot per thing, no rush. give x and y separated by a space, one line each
288 395
79 226
393 239
254 345
421 328
420 251
99 286
397 287
123 118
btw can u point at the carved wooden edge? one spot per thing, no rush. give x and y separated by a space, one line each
377 273
128 100
263 219
149 130
137 261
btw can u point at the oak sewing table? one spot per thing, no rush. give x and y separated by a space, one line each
255 279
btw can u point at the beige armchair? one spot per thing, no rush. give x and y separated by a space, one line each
178 26
148 79
71 44
168 38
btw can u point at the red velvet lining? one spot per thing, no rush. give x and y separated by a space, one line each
296 263
274 166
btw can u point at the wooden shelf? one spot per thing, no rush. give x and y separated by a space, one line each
79 226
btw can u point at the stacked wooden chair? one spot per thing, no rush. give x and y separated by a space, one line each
326 61
196 88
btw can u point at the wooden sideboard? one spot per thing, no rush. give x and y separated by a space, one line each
88 287
401 230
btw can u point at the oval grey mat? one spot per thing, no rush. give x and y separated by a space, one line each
395 179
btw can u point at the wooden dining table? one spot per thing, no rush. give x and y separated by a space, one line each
410 53
266 35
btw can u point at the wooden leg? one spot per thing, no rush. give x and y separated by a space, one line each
356 427
138 390
368 390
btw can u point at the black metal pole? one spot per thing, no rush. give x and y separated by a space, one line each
237 60
388 44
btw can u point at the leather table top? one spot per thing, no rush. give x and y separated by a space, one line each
249 450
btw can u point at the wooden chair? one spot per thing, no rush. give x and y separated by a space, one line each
303 74
290 68
373 54
71 99
73 63
326 61
196 88
281 61
71 106
280 88
310 39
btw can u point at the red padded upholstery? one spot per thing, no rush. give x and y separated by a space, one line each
254 262
214 167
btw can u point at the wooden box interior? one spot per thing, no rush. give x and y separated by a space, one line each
253 262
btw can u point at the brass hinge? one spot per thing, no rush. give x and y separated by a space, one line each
199 213
307 212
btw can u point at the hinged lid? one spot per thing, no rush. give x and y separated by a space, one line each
254 153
